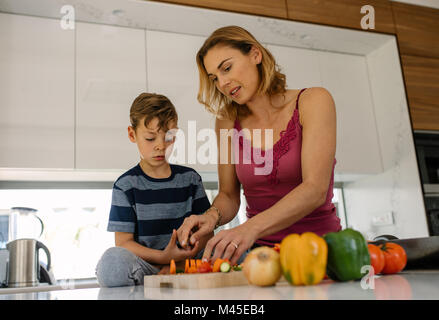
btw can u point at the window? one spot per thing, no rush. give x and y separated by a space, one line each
75 224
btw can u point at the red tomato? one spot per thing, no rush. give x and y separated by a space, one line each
377 259
394 256
204 267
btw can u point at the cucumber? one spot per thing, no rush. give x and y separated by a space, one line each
225 267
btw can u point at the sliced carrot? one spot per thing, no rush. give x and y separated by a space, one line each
198 262
172 268
186 266
193 269
193 264
217 264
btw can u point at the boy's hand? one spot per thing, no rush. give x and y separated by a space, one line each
173 252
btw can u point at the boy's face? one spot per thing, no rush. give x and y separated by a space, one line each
153 142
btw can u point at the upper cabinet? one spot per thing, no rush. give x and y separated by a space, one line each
358 147
172 71
36 93
343 13
277 8
299 65
418 44
66 95
346 78
110 74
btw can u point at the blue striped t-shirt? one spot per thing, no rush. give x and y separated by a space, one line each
150 208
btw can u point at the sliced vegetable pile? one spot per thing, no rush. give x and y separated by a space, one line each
198 266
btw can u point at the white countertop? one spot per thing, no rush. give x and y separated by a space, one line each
408 285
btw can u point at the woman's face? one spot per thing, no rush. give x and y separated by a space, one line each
235 75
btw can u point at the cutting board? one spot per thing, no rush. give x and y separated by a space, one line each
196 280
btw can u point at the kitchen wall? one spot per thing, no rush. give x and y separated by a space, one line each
389 202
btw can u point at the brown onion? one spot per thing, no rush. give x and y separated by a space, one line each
262 267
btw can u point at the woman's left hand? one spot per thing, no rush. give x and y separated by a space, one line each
230 244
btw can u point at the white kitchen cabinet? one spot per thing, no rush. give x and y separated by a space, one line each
50 120
347 79
299 66
36 93
110 74
172 71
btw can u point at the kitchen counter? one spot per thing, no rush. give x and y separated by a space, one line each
407 285
60 285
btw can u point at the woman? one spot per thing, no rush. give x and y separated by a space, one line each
241 84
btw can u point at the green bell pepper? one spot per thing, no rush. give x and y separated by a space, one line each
347 254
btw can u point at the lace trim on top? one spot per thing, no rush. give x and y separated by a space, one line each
280 147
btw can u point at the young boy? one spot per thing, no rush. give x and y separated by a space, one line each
151 200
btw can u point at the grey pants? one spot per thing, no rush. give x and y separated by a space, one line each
119 267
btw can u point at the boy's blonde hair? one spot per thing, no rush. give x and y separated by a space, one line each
272 81
150 106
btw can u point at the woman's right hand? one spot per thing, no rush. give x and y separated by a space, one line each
195 227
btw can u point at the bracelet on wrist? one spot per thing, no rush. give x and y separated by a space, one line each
218 221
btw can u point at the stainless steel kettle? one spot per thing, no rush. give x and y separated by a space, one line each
24 262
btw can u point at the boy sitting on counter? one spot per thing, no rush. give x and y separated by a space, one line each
151 200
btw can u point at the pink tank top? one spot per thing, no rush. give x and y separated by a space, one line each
263 191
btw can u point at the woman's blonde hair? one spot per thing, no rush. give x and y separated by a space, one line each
272 81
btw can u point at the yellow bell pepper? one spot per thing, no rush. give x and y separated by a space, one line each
303 258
